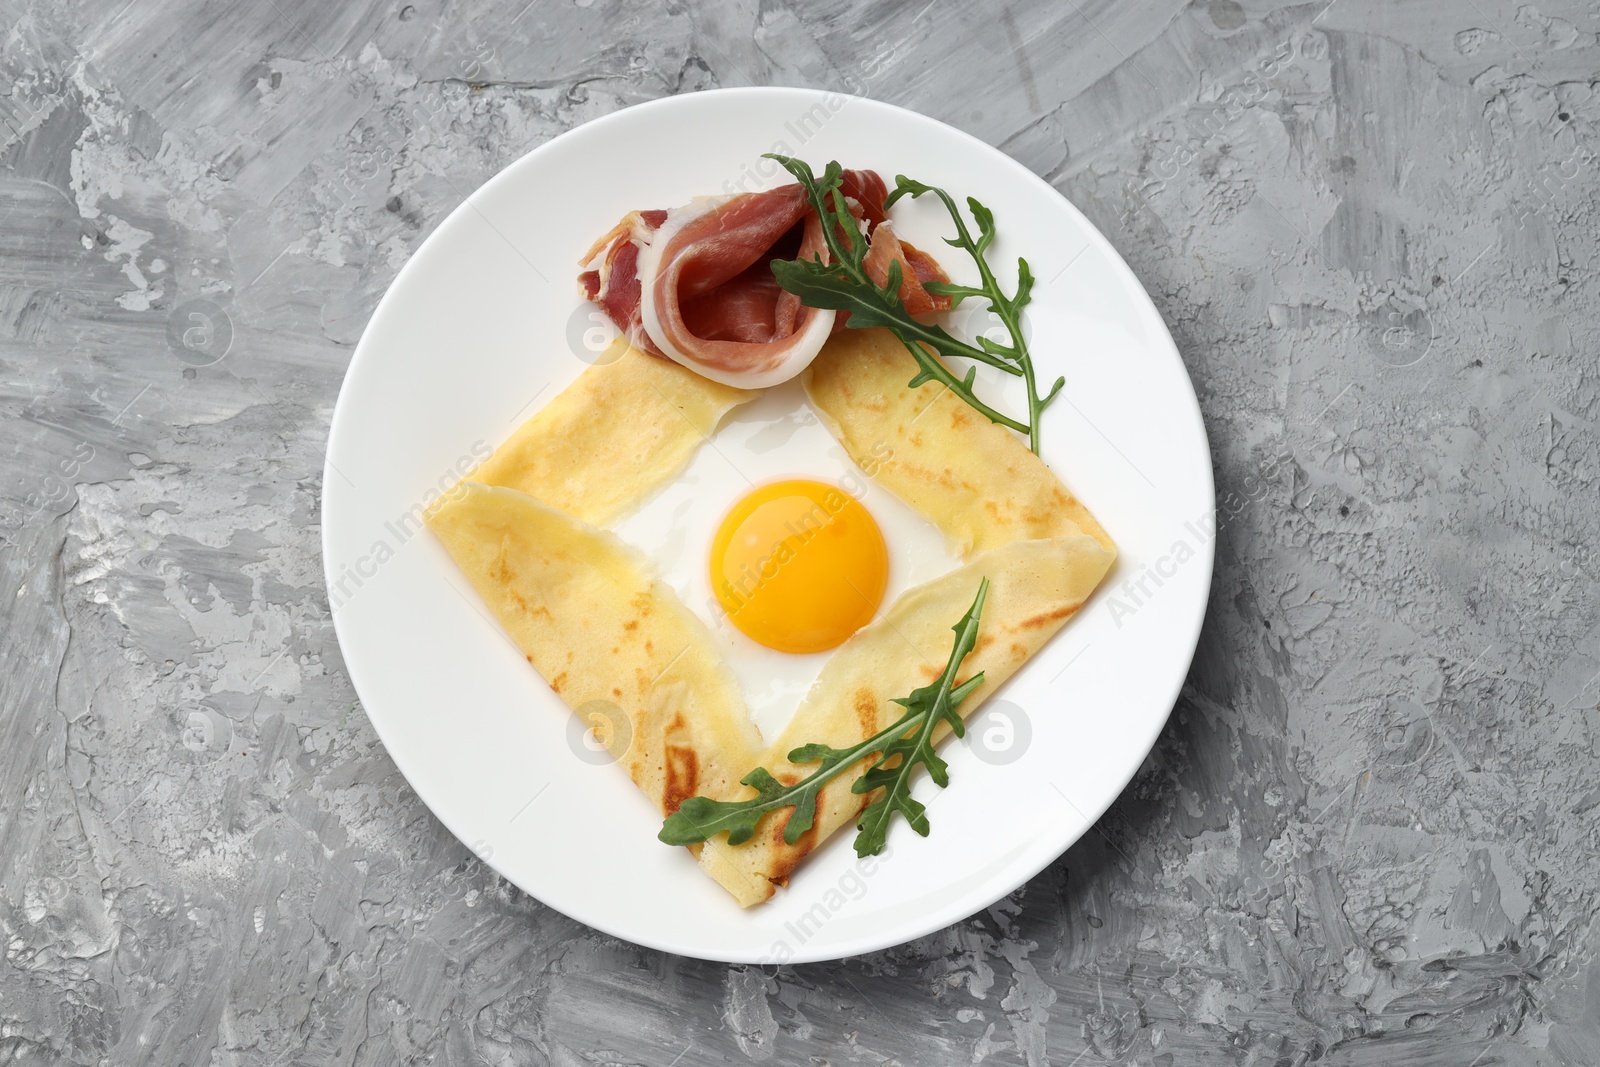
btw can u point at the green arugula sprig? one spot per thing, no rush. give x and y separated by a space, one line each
1007 308
843 284
900 748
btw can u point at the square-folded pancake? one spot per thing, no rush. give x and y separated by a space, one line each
589 616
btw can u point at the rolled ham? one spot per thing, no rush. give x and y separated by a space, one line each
694 284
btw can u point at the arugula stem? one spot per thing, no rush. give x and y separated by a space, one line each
941 339
1008 309
932 368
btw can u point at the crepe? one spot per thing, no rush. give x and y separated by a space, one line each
606 442
974 480
588 615
1035 586
583 608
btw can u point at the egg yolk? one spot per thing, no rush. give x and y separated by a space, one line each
799 566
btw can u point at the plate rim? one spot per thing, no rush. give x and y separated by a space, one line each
938 918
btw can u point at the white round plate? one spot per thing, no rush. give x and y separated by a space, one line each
484 324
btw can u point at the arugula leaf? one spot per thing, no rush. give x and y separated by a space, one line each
843 284
932 704
701 817
1007 308
899 749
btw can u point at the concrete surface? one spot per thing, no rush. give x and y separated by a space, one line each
1368 835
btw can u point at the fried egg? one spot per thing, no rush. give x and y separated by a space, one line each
783 546
799 566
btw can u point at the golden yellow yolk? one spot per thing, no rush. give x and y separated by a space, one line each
799 566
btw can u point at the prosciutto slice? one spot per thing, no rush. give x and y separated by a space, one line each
695 283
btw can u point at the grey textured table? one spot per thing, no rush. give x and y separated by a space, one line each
1368 835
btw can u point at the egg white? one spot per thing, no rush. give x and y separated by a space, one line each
776 436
